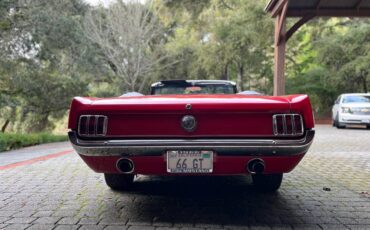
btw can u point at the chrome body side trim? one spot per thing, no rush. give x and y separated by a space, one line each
222 147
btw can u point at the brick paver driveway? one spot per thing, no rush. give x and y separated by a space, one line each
328 190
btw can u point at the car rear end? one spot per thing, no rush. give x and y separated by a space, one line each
201 134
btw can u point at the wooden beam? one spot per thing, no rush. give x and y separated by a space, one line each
279 55
329 13
281 23
318 4
358 4
297 25
270 5
278 7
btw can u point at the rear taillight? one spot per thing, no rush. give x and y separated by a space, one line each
92 125
287 125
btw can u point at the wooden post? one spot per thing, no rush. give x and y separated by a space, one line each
280 41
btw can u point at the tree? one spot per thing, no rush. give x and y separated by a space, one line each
327 58
229 40
247 31
129 36
41 49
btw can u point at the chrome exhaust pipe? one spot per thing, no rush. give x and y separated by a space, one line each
125 165
256 166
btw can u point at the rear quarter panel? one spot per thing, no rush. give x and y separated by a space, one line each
301 104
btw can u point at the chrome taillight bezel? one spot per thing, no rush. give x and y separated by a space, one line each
296 131
95 133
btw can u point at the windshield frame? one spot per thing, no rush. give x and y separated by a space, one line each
186 84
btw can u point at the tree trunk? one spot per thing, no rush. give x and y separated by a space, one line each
3 128
240 77
364 84
41 123
225 72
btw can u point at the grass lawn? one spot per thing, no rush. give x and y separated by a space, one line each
9 141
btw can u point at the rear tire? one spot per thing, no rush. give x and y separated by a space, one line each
119 181
267 182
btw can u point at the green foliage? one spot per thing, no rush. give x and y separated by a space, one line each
225 40
9 141
316 83
325 63
42 54
194 7
46 57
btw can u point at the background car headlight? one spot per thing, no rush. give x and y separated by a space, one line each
346 110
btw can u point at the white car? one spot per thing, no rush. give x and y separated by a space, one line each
351 109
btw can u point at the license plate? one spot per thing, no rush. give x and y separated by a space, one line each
189 161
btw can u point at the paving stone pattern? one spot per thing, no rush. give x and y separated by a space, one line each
330 189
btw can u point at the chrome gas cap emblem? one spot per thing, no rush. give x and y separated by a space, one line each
189 123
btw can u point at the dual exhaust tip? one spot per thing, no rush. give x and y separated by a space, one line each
125 165
254 166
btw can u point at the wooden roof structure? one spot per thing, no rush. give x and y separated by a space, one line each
305 10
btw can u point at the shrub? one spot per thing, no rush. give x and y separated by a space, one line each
10 141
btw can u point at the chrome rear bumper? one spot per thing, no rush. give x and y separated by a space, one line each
223 147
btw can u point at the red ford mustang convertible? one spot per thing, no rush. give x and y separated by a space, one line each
192 128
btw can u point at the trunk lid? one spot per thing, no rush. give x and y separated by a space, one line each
161 116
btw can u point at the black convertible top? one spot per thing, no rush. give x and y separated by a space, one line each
192 82
189 83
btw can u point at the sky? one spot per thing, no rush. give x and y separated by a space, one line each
106 2
97 2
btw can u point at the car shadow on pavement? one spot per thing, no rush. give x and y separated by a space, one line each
205 201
